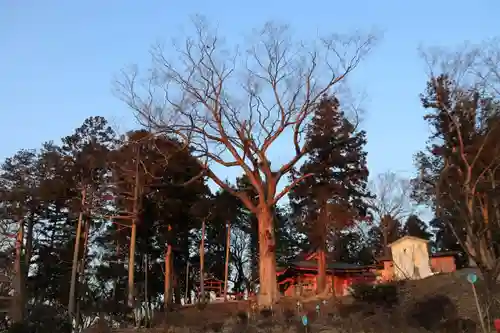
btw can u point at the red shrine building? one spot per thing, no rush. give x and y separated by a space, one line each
299 277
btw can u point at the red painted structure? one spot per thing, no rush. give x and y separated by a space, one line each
215 285
300 276
443 262
440 262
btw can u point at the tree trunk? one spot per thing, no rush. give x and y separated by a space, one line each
76 252
254 252
202 263
187 292
226 266
268 289
81 271
131 265
167 291
177 289
29 246
321 281
18 300
146 296
135 213
385 235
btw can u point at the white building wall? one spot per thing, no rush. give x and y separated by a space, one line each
411 260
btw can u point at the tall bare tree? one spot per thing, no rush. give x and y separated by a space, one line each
392 196
460 170
390 205
234 106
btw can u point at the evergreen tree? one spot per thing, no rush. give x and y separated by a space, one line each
349 246
415 227
252 229
164 218
445 240
18 212
290 241
334 192
458 169
380 235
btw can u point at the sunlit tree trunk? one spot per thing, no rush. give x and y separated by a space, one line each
202 263
76 252
29 245
146 296
167 291
321 281
226 266
81 270
133 232
268 289
131 265
17 310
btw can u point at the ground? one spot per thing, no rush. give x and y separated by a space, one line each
442 303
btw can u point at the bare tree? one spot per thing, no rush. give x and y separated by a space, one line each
240 258
391 203
392 196
234 106
461 170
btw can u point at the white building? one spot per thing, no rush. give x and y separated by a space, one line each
410 256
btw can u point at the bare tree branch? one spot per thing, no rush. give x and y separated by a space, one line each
232 105
392 197
464 86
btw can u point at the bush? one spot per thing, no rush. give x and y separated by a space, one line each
430 312
385 294
42 318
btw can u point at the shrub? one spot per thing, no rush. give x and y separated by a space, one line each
385 294
42 318
430 312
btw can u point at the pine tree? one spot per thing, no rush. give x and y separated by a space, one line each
333 195
380 235
164 220
18 195
414 226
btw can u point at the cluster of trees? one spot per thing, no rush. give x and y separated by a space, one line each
74 207
102 223
459 171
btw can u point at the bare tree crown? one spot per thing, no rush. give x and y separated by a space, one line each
231 105
392 196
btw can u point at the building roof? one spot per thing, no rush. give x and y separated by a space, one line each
431 255
443 254
307 260
384 258
329 265
408 238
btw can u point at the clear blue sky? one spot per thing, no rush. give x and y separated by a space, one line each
58 58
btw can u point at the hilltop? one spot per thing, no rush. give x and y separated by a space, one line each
441 303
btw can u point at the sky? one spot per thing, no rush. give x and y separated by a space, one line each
59 58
